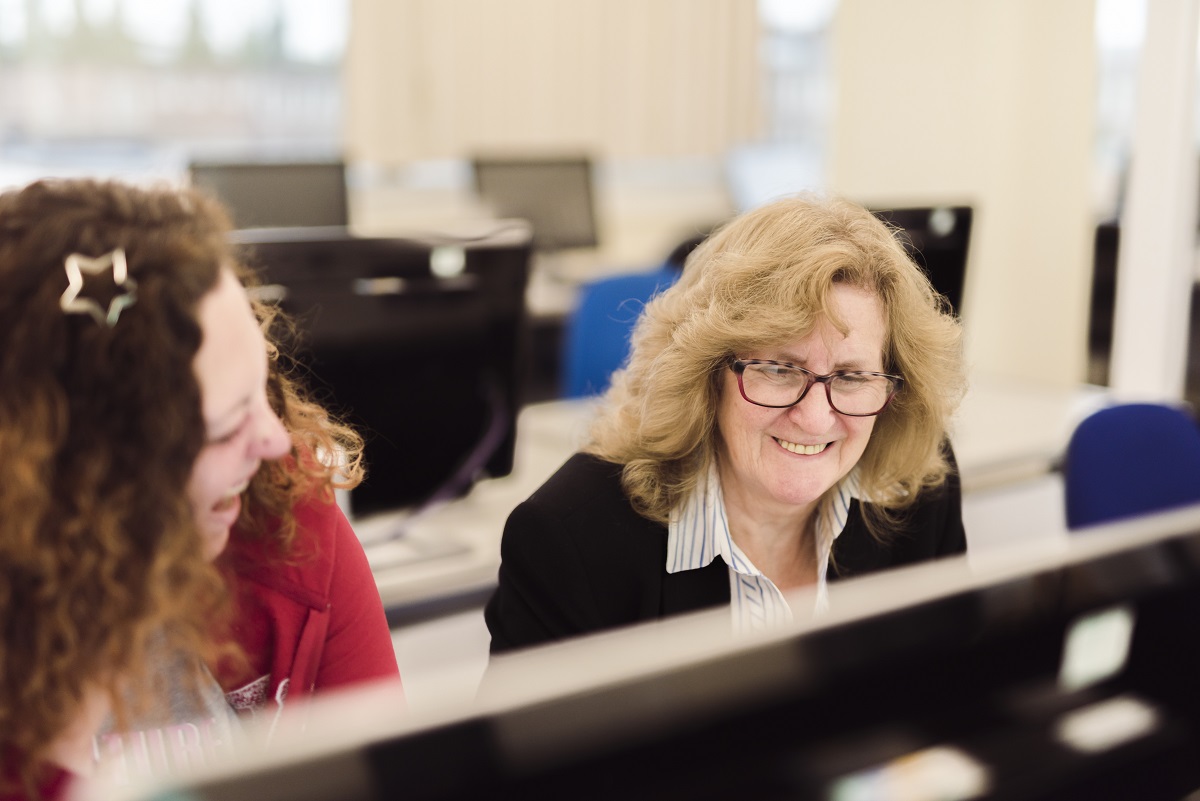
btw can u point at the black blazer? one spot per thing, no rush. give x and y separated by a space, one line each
576 558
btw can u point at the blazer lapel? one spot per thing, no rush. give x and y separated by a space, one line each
856 552
692 590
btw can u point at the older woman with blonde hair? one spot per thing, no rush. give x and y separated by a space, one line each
781 421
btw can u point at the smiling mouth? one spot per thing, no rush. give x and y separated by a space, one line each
803 450
227 500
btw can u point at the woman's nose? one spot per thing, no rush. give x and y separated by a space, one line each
271 437
813 413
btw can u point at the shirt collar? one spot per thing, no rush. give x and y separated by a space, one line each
697 525
698 531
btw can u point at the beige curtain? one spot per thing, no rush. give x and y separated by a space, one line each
616 78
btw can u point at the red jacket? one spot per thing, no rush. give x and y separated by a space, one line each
53 784
312 623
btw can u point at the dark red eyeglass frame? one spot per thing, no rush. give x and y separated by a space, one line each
738 366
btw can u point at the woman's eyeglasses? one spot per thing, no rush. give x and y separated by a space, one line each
778 385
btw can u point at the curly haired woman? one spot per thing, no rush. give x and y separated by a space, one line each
171 558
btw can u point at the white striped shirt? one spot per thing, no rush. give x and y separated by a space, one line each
698 532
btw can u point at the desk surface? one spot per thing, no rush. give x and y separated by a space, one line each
1003 433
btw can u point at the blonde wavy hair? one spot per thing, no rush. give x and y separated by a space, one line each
100 561
763 279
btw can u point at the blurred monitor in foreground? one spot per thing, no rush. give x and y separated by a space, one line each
554 194
1041 675
277 194
420 345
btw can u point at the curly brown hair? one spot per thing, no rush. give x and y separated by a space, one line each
100 425
326 453
763 279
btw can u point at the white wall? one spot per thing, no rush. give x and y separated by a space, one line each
989 102
1157 253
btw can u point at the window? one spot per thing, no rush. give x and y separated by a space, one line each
130 87
797 92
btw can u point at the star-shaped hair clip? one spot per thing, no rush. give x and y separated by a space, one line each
77 264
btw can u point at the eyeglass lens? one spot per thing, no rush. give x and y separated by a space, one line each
780 385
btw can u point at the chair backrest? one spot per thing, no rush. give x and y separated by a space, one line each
597 334
1131 459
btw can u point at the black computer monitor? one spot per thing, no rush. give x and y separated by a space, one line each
277 194
938 238
420 345
554 193
1102 305
1046 674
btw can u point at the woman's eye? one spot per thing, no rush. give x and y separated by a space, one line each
225 439
779 372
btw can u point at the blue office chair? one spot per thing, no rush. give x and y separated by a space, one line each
596 340
1131 459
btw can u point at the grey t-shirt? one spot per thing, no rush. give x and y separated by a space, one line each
194 726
